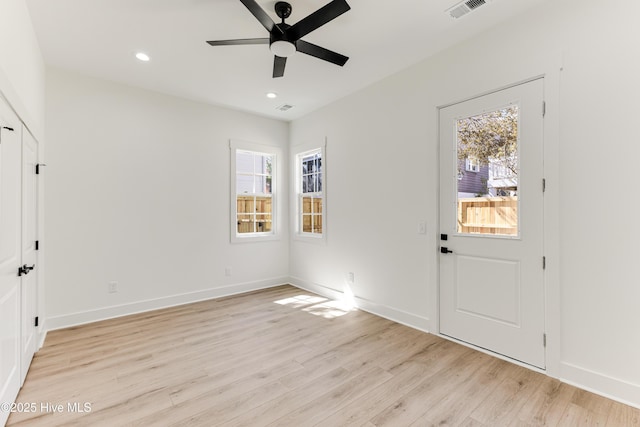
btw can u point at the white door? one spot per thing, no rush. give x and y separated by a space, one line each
491 218
29 285
10 211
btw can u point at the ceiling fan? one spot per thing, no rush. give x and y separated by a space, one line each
284 39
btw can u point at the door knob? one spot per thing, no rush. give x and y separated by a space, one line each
25 269
444 250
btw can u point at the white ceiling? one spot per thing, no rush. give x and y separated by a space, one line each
100 37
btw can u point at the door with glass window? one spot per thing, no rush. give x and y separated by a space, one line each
491 219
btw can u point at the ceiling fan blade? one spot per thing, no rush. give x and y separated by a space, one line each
321 53
235 42
317 19
278 66
261 15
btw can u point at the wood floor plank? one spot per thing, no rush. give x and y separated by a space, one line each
370 404
451 410
547 404
283 356
507 399
314 411
431 390
623 415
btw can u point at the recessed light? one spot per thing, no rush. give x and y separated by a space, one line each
142 56
272 95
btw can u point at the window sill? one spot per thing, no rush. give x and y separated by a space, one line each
254 238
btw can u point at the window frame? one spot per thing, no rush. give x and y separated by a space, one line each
471 164
299 154
236 146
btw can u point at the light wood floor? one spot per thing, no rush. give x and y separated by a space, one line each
285 357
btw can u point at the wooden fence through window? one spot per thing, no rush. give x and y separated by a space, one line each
488 215
253 214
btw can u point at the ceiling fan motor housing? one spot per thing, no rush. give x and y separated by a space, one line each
280 44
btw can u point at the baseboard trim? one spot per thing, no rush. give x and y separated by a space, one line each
408 319
42 336
603 385
104 313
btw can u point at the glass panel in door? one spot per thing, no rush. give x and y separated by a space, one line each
487 178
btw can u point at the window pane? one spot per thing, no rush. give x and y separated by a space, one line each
244 162
306 205
306 224
307 184
263 205
255 214
263 222
244 184
488 165
262 184
245 204
263 164
317 224
245 223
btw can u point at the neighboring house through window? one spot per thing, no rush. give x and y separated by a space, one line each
471 164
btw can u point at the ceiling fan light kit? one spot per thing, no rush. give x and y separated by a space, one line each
284 40
282 48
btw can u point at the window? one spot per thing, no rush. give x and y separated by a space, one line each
494 137
471 164
253 190
310 188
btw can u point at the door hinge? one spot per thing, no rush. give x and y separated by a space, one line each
37 245
36 321
544 185
544 108
38 167
544 340
544 262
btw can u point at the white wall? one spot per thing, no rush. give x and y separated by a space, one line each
382 180
138 193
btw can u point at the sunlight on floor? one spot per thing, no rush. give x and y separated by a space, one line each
301 300
318 306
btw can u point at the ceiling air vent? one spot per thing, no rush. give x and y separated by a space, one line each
461 9
284 107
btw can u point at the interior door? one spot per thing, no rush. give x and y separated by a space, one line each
10 211
491 217
29 285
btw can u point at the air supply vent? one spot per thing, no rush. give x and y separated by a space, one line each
461 9
284 107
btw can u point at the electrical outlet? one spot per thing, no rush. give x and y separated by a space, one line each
112 287
351 278
227 271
